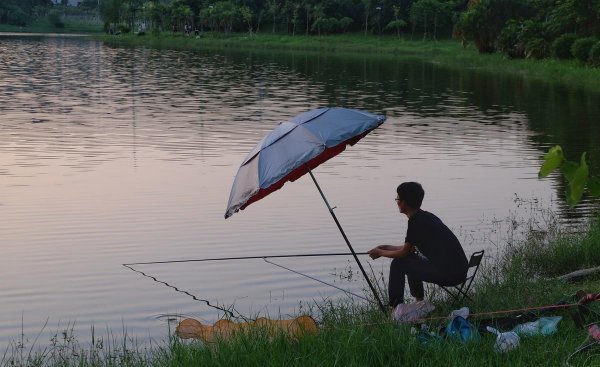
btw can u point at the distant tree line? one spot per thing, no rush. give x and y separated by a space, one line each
20 12
517 28
534 28
428 18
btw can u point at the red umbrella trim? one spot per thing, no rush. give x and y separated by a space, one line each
300 171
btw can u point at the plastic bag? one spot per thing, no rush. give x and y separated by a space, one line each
462 329
411 312
505 341
542 326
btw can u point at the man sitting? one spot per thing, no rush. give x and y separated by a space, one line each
431 252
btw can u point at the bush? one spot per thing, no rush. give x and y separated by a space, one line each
485 19
54 19
123 28
12 14
581 48
345 23
536 48
561 47
595 54
508 40
522 39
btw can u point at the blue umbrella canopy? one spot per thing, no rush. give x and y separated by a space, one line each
294 147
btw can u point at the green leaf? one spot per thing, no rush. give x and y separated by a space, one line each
568 169
577 183
552 160
594 186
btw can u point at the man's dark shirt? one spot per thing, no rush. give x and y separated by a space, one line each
436 242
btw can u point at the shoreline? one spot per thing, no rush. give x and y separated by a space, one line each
569 73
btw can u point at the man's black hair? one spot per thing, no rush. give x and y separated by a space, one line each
412 193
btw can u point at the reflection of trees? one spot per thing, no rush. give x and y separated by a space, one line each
185 99
556 114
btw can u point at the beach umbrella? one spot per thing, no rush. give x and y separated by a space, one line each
293 149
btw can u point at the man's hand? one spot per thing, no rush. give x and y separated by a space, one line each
375 252
393 252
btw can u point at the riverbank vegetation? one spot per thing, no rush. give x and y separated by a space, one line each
531 29
522 274
43 16
535 29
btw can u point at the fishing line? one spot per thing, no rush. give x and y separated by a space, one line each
317 280
245 258
185 292
130 266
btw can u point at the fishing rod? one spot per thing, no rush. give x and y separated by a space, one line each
245 258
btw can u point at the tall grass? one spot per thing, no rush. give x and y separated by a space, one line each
351 334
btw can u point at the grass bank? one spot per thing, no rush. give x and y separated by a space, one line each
44 26
447 52
522 275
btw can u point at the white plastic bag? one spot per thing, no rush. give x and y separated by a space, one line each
505 341
541 326
411 312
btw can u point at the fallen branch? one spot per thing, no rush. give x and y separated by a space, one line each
570 277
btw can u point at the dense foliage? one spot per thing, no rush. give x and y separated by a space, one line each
532 28
561 47
18 12
518 28
581 48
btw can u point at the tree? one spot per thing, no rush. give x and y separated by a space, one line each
247 15
397 23
485 19
295 18
224 13
154 11
21 12
430 14
318 14
273 6
89 4
368 7
180 14
110 11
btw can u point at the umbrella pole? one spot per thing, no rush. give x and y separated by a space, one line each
348 242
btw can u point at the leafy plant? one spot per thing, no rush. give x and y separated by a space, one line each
577 175
561 47
595 54
581 48
509 41
397 23
536 48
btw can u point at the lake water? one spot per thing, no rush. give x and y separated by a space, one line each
112 156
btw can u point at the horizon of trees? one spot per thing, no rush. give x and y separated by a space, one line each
517 28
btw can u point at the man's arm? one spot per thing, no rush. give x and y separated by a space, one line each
393 252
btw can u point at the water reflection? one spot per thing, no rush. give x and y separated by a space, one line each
111 156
